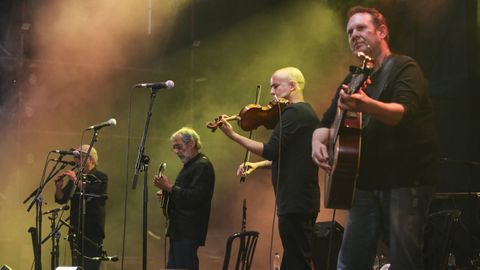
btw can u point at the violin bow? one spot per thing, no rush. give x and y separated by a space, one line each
250 135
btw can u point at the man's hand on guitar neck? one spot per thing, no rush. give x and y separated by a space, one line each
162 182
319 148
389 113
356 102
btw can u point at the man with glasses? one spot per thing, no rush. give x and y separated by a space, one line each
190 200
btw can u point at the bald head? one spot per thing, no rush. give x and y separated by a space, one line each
288 83
291 74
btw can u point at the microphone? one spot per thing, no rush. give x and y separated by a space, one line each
71 152
110 122
113 258
65 207
72 163
156 85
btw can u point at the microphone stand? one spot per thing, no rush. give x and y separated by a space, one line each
81 200
55 235
142 165
79 233
242 239
38 201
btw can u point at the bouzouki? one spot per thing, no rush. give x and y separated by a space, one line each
344 145
164 204
165 194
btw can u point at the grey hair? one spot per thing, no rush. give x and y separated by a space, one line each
187 134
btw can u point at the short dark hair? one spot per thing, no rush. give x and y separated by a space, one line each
377 17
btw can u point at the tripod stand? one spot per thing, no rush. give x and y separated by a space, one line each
55 236
36 232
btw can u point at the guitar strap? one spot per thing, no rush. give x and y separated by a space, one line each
384 74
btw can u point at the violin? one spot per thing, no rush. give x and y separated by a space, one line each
254 115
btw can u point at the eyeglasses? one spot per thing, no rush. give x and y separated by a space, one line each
178 146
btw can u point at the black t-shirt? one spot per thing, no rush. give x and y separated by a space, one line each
403 155
190 200
298 190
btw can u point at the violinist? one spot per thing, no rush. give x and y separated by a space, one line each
295 182
94 183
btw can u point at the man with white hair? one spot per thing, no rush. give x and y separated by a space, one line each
94 185
190 200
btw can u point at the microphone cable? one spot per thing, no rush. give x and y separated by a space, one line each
280 135
127 178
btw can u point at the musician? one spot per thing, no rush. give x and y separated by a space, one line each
398 151
94 183
294 174
189 200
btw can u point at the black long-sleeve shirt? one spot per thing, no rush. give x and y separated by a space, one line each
402 155
95 206
298 190
190 200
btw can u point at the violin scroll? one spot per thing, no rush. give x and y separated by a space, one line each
217 122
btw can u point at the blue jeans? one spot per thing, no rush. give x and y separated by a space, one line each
398 216
183 254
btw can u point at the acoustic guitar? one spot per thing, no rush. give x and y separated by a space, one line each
344 145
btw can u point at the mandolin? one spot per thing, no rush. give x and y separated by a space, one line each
164 204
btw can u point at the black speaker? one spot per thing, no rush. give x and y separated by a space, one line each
326 245
439 234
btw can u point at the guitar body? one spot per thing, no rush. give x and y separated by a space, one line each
165 204
344 145
344 157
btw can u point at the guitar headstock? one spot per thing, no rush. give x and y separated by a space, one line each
367 61
161 168
361 73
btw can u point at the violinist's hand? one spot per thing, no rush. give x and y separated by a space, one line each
252 166
162 182
319 148
246 168
225 126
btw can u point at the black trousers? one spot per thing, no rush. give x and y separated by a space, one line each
90 251
296 234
